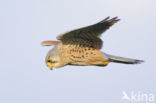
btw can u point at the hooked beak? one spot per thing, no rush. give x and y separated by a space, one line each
50 66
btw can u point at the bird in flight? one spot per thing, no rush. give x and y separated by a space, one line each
81 47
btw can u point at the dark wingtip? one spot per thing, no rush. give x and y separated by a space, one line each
138 61
107 19
110 21
115 18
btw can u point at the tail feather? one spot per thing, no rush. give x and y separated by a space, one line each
118 59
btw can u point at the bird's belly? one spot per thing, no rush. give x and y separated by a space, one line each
86 58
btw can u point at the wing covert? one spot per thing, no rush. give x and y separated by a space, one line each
88 36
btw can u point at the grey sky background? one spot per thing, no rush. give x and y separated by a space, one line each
24 24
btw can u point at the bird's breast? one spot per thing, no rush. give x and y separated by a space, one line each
81 55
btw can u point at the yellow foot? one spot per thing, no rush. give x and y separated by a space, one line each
106 63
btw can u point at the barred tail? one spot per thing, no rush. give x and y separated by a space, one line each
118 59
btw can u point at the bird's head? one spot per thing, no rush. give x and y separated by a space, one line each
53 59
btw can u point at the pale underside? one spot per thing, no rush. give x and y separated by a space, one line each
77 55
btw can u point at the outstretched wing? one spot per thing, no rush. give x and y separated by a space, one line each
50 43
88 36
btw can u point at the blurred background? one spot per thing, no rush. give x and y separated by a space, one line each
24 77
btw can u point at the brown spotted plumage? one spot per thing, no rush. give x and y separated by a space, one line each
81 47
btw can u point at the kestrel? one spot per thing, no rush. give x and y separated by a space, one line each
82 47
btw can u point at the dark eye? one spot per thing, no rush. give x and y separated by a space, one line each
49 61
